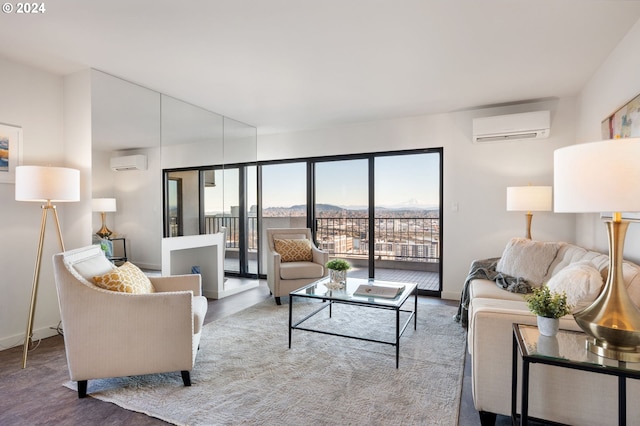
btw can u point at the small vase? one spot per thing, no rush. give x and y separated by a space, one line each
338 276
548 326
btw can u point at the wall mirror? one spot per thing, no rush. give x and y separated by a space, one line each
125 121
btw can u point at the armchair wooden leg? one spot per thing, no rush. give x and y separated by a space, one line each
278 302
487 418
82 388
186 377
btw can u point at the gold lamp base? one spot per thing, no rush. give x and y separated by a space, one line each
104 232
613 320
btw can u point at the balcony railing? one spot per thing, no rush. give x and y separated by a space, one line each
397 239
401 239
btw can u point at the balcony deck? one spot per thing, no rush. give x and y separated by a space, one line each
426 280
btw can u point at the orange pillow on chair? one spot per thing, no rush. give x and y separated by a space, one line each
294 250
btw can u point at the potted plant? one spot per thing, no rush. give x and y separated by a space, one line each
338 270
549 306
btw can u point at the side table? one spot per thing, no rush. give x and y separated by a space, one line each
119 253
568 350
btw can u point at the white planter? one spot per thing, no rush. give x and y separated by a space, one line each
548 326
338 276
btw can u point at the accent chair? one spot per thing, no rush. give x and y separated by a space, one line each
293 260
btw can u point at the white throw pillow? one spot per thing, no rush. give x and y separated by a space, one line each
581 281
527 259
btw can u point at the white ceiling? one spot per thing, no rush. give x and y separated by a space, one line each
283 65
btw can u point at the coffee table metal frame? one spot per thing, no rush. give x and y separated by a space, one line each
347 297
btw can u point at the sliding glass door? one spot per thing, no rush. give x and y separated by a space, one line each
407 219
342 210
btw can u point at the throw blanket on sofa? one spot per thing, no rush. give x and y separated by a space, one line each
486 269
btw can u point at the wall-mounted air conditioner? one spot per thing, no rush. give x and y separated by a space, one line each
511 127
129 162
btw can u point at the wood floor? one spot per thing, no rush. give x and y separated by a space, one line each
35 395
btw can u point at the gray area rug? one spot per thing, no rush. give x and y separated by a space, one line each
245 373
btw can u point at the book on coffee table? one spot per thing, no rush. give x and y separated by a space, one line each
386 290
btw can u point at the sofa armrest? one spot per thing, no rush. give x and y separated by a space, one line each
489 343
187 282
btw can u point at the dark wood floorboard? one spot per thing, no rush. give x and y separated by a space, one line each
35 395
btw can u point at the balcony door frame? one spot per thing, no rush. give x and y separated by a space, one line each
311 163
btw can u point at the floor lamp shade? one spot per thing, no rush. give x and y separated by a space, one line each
40 183
44 184
529 199
604 177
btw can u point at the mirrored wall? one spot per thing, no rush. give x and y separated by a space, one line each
198 150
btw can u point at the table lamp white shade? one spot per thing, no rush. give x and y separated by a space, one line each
598 177
103 204
44 183
529 198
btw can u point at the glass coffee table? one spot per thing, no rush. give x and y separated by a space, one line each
319 290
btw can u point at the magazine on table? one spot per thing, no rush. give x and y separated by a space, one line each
386 290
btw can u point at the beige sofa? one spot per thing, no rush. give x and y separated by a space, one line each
114 334
556 394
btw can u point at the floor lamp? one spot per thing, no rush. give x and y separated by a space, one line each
45 185
529 199
604 177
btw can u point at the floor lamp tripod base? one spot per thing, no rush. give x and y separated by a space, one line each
36 276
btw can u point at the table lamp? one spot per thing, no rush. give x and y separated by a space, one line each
45 185
103 205
604 177
529 199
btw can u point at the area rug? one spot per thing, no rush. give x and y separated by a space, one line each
246 374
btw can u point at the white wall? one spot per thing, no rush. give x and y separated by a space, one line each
475 176
615 83
32 99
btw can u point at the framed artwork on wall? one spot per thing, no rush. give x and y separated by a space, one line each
10 152
624 123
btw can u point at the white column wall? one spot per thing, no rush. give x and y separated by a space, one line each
475 176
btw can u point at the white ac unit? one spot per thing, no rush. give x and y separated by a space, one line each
129 162
511 127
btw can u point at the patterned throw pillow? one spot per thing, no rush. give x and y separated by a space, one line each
294 250
128 278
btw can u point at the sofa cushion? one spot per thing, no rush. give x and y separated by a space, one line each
127 278
528 259
581 282
483 288
294 250
297 270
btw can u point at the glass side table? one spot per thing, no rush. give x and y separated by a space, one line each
566 350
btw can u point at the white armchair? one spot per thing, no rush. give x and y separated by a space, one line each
113 334
291 273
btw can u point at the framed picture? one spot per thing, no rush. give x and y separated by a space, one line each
624 123
10 152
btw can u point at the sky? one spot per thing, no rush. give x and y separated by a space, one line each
400 180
